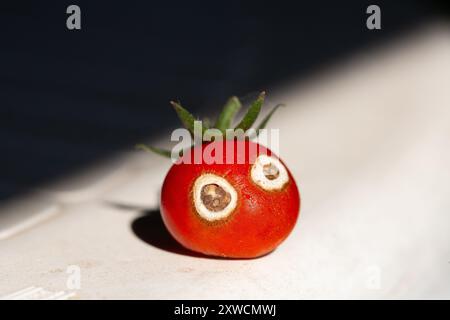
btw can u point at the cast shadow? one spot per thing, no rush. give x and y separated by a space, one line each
150 228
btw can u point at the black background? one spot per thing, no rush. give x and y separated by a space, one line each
69 98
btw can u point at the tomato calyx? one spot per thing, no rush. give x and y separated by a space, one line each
223 123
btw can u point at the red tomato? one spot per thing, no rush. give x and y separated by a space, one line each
230 210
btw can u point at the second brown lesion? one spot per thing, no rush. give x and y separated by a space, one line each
214 197
270 171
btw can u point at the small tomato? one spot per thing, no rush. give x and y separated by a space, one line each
242 209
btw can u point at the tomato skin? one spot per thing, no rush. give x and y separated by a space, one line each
259 223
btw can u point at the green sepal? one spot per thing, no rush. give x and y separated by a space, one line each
263 123
185 116
228 113
252 113
160 151
206 123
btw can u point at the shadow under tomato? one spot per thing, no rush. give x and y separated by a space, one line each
150 228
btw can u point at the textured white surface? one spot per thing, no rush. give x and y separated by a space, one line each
369 146
33 293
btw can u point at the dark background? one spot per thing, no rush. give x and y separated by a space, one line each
68 98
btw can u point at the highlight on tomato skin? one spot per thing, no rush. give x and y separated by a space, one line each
259 219
243 208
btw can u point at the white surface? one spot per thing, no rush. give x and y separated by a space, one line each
33 293
369 147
